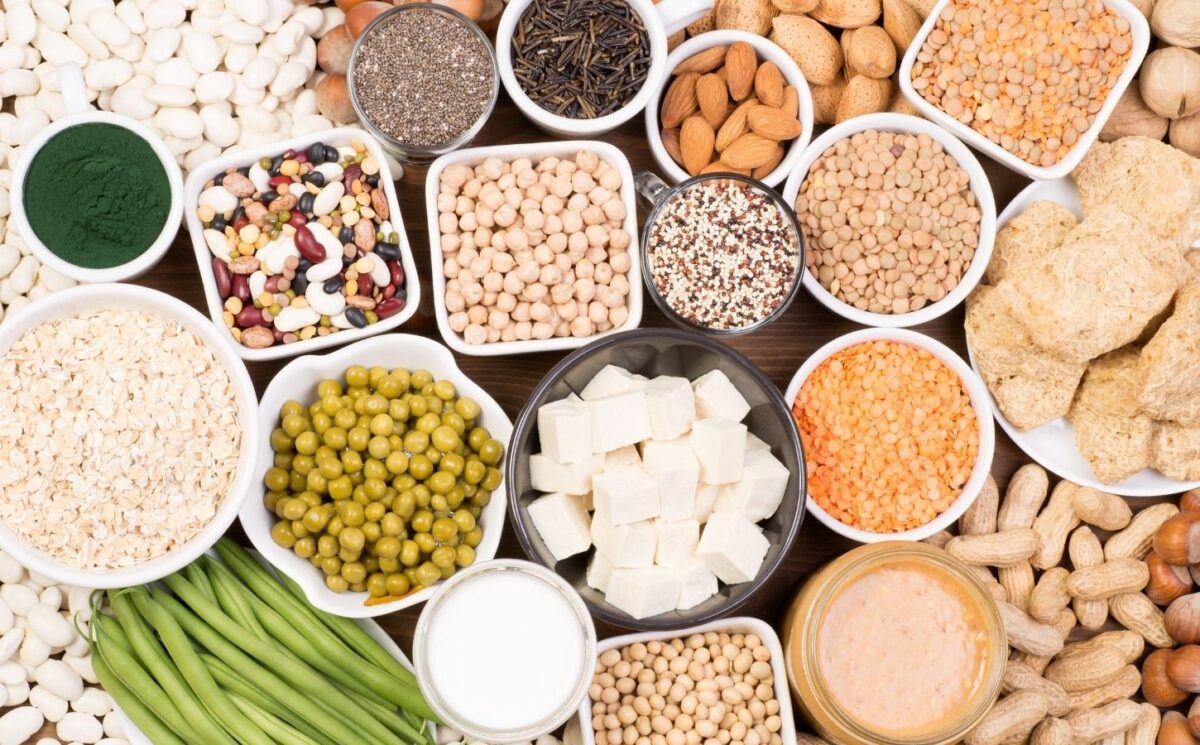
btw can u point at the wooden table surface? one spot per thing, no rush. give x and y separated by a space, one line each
779 349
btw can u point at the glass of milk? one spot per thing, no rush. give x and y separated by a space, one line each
505 651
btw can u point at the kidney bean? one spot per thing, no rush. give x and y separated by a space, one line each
249 316
297 220
278 335
223 277
241 287
389 307
352 173
365 285
241 222
272 283
389 291
397 272
278 181
300 157
308 246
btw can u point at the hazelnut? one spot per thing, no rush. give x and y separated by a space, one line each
1183 668
1156 687
1193 718
1167 582
1178 539
1182 619
1174 730
1189 501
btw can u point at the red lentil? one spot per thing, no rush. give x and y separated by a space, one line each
889 434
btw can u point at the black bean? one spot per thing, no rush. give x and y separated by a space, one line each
238 213
388 251
316 153
334 284
303 266
269 196
348 260
275 163
356 317
300 282
219 222
373 179
316 178
346 235
331 154
305 204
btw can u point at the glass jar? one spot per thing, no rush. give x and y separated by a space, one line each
802 631
504 652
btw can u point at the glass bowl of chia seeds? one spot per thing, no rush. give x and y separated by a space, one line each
423 80
721 253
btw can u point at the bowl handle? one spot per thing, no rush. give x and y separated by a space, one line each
677 14
74 94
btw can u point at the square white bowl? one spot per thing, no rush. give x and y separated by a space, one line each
335 137
732 625
1139 29
534 151
298 380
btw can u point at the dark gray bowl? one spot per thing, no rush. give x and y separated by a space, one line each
652 352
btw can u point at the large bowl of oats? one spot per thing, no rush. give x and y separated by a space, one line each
127 439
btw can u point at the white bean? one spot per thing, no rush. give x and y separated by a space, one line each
239 32
57 47
327 304
112 726
202 51
51 14
254 14
328 198
7 619
27 125
33 650
164 14
106 74
52 706
238 56
10 642
55 281
22 23
170 95
10 570
292 318
131 101
19 725
289 79
12 55
19 83
108 27
22 279
59 678
176 71
179 122
18 597
77 726
214 86
51 595
49 625
162 44
131 14
94 701
88 41
82 664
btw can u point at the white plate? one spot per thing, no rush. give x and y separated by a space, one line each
136 737
1053 444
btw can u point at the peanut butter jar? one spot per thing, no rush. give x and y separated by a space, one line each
894 643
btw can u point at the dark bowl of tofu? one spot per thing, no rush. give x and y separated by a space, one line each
661 474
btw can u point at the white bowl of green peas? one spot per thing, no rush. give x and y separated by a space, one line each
360 501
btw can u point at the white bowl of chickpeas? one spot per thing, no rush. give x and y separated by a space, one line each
533 246
739 645
898 217
366 496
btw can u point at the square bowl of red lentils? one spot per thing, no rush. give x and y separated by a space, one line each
301 245
898 434
1029 83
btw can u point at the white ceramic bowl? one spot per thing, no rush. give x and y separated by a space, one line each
731 625
660 21
298 380
1053 444
534 151
1140 31
144 261
767 51
980 400
979 185
336 137
89 298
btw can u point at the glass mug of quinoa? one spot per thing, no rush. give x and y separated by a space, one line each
422 80
573 83
721 253
96 196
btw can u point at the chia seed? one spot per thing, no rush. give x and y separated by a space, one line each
722 254
423 77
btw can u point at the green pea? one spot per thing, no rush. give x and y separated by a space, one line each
375 469
351 461
329 388
280 441
455 422
298 482
452 463
397 584
410 554
398 411
421 378
439 504
315 519
474 471
335 526
467 408
346 555
294 424
422 494
335 437
392 524
420 466
491 451
397 462
276 479
302 464
379 447
340 488
372 532
441 482
477 437
389 566
352 539
416 441
327 546
443 529
375 511
306 443
403 482
428 573
376 585
306 547
464 520
375 373
351 513
473 537
444 390
417 407
283 460
310 499
354 572
316 482
491 479
443 438
442 556
324 452
336 582
422 521
375 488
330 405
290 408
388 547
455 497
345 418
294 509
282 534
331 468
481 498
321 422
464 555
375 404
404 504
357 375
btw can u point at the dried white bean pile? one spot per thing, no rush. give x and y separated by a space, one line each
46 665
209 75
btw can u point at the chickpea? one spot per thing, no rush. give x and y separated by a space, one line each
477 314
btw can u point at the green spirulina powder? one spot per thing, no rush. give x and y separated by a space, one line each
97 195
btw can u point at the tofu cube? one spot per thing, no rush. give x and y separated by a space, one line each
733 547
754 443
717 397
674 466
625 495
706 497
563 524
676 542
565 427
619 420
610 381
548 475
630 545
643 592
623 458
697 583
672 407
758 494
720 447
599 571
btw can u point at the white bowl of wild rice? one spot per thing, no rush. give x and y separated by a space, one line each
129 435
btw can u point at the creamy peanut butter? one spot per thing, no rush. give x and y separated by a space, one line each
902 648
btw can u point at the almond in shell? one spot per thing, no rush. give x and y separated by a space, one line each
741 64
751 16
702 62
696 140
769 83
749 151
713 96
812 47
825 101
847 13
795 7
863 95
735 126
680 101
773 124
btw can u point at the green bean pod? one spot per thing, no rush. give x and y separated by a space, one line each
112 647
279 730
140 714
227 678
